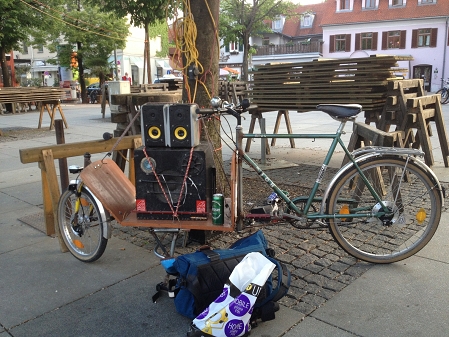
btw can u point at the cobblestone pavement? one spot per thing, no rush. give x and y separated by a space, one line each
319 267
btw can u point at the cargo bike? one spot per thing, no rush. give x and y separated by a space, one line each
383 206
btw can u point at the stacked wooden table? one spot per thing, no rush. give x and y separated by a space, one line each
45 98
302 86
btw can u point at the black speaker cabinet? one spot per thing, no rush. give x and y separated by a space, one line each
182 125
153 197
153 125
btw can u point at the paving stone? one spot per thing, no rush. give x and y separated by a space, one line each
339 266
304 308
329 273
313 300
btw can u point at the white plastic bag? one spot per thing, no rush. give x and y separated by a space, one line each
229 316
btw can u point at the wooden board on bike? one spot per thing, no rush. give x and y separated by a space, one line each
111 186
118 195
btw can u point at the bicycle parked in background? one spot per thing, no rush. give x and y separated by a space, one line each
444 92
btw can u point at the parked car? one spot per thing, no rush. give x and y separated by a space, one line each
94 90
93 86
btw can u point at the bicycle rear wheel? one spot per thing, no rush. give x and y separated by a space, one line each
444 95
407 190
82 231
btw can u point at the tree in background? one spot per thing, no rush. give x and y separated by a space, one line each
18 21
85 37
241 19
142 13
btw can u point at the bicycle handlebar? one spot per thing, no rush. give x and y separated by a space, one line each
220 106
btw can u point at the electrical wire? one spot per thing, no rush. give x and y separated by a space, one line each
70 24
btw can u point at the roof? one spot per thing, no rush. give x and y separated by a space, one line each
292 27
383 13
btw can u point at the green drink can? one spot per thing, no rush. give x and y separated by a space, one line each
217 209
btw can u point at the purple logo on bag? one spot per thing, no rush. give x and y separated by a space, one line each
234 328
240 306
222 296
203 314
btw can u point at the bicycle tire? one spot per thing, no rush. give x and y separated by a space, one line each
389 239
82 232
444 95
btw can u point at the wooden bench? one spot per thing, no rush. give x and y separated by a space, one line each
235 92
395 108
420 112
367 135
46 99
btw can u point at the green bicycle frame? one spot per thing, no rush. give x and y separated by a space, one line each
336 139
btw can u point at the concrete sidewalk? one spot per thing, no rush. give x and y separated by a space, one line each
46 293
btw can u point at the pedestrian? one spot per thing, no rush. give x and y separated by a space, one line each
127 78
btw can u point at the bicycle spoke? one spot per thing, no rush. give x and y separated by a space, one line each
414 210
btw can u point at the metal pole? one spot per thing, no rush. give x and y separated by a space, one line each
63 169
239 139
263 143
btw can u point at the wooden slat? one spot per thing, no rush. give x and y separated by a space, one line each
301 86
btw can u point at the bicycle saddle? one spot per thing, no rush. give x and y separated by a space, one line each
340 110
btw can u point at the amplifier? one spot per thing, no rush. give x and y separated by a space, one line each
153 197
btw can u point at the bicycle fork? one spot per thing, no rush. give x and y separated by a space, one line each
80 216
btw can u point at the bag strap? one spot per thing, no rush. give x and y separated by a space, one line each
283 284
191 282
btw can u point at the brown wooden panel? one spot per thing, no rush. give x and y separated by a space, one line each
111 186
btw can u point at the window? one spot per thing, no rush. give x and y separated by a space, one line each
394 39
265 41
344 5
426 37
277 24
306 20
40 48
370 4
25 48
366 41
396 2
339 43
426 1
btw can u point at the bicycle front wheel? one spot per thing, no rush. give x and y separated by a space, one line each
414 204
81 225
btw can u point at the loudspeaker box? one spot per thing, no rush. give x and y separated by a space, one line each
182 128
153 125
153 197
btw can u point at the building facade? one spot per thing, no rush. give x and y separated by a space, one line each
419 28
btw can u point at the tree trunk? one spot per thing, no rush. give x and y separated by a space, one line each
245 57
145 55
147 50
5 74
4 66
208 53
